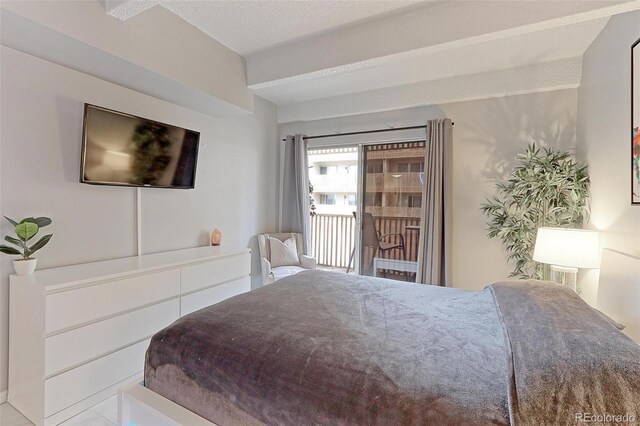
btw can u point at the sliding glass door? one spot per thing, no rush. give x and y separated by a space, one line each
390 209
366 208
333 175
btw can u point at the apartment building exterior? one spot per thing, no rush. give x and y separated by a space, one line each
392 179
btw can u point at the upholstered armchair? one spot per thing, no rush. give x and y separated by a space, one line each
281 255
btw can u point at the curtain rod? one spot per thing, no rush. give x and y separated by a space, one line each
364 132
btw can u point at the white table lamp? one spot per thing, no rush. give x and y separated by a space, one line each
566 250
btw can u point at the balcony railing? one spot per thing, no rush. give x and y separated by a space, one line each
394 182
380 212
333 237
334 183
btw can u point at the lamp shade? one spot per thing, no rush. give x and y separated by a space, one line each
576 248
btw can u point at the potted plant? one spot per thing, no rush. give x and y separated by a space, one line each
25 230
547 188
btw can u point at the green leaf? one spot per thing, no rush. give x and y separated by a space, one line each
13 222
9 250
42 221
41 243
26 230
15 241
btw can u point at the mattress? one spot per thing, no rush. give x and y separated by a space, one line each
334 349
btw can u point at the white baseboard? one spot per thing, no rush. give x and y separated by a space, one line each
3 396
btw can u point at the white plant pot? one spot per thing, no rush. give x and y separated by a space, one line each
25 267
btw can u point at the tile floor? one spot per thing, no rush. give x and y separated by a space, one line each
102 414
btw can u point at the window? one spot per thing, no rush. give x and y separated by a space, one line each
374 167
327 199
328 170
415 201
351 199
411 167
407 200
373 199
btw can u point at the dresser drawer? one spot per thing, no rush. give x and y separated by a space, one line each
206 274
81 305
74 385
213 295
79 345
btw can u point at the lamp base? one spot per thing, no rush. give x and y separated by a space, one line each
566 276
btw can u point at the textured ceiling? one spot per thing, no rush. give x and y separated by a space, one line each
250 26
318 57
520 50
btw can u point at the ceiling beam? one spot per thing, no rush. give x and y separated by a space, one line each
125 9
437 27
140 55
554 75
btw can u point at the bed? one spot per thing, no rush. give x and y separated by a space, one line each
327 348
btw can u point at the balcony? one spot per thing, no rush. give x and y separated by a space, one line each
333 238
394 182
395 212
335 183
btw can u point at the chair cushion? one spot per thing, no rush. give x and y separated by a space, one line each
283 253
285 271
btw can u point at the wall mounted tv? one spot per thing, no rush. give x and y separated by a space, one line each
125 150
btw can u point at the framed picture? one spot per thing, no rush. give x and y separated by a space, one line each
635 123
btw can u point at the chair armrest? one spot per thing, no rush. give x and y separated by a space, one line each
307 262
266 270
389 235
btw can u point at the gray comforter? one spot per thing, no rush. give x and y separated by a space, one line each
330 349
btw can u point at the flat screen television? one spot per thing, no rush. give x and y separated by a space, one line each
125 150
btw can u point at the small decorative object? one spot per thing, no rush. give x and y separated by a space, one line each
635 123
547 189
25 230
566 250
216 237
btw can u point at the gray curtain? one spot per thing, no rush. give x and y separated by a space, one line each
434 248
294 210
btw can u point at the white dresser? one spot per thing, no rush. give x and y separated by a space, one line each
78 333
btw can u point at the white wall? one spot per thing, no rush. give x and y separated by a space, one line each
41 130
487 135
156 40
604 138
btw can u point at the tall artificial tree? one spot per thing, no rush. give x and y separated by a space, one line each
547 188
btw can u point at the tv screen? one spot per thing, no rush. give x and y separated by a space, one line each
122 149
